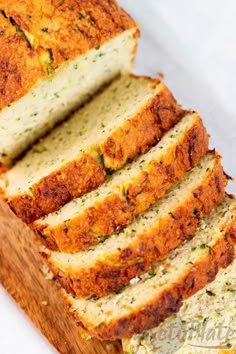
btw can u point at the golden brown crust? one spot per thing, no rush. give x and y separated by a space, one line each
143 130
170 300
20 66
61 29
173 166
115 211
79 177
25 207
118 269
61 25
74 179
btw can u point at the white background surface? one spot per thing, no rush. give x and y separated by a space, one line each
194 44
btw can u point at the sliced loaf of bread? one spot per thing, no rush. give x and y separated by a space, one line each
54 56
206 323
117 125
150 299
110 265
128 192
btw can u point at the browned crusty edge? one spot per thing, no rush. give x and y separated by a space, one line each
154 245
169 301
62 30
82 175
53 191
116 211
20 66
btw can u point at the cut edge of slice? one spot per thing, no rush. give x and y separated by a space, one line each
212 308
83 174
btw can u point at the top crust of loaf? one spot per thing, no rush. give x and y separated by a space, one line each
19 64
37 37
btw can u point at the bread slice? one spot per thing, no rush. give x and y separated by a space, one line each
150 299
111 264
86 220
54 55
118 124
206 323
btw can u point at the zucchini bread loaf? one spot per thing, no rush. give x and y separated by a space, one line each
110 265
150 299
118 124
88 219
54 55
126 197
205 322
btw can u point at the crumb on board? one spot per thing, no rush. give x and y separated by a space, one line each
84 334
47 272
160 74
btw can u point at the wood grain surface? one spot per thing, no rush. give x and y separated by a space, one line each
22 277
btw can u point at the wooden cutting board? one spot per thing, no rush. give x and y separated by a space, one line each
41 300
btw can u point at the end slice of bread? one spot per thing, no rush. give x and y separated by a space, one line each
205 322
128 192
118 124
149 300
110 265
